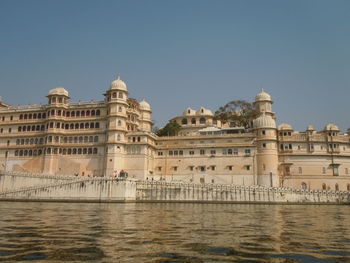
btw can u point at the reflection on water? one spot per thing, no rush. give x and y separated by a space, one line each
66 232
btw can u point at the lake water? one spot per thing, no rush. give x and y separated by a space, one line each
79 232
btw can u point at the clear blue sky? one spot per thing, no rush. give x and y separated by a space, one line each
178 54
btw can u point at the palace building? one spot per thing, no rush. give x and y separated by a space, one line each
102 138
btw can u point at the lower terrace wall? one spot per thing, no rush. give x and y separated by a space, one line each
181 192
31 187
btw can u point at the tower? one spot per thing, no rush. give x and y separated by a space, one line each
56 109
145 116
116 100
266 134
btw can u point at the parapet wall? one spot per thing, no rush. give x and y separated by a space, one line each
30 187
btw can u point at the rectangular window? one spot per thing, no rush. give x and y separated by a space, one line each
229 151
171 153
191 168
181 152
324 170
230 167
160 153
159 168
300 170
235 151
176 153
248 167
247 152
224 152
212 152
202 152
213 167
175 168
10 130
191 152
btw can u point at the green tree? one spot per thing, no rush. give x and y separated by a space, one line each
171 129
237 112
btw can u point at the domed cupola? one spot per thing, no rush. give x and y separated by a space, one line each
264 121
144 105
58 91
58 96
285 127
262 96
118 84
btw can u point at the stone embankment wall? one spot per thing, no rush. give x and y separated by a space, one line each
66 188
181 192
30 187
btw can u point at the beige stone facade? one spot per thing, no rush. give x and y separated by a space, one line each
102 138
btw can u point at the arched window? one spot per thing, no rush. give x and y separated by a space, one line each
64 152
25 116
74 151
40 152
184 121
79 151
77 113
91 139
86 139
21 153
75 139
21 116
114 95
95 151
120 95
52 113
25 152
120 109
16 153
81 125
92 125
30 152
19 128
193 121
84 151
72 114
93 113
48 150
30 116
303 186
82 113
97 125
69 151
119 123
33 128
336 187
202 120
118 137
98 112
80 139
18 141
96 139
68 114
66 126
90 151
87 113
34 116
37 128
86 125
76 126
